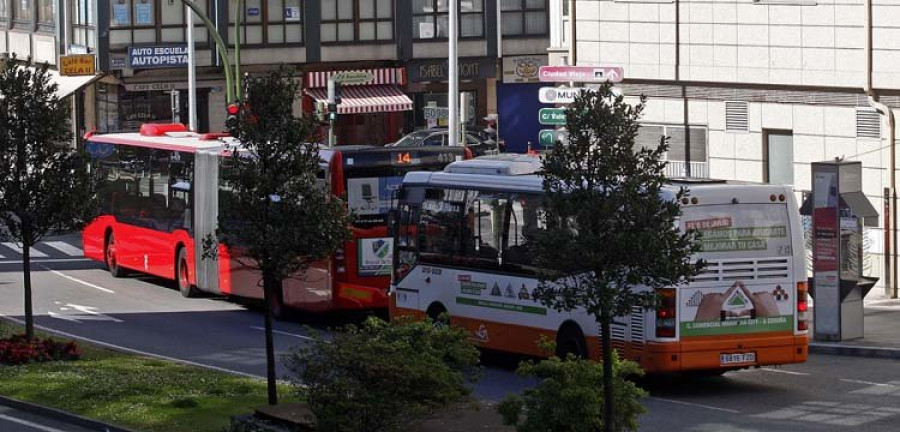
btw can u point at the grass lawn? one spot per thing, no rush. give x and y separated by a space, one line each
137 392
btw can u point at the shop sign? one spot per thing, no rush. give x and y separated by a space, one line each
588 74
522 69
353 77
77 65
160 56
552 116
436 69
162 86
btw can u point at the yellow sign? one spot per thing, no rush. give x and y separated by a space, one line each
76 65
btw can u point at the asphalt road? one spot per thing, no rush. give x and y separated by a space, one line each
79 298
12 420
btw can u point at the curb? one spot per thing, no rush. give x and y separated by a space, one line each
61 415
854 351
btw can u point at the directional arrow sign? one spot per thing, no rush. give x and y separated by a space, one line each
547 138
560 95
586 74
552 116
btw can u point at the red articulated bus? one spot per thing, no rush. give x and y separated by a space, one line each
161 194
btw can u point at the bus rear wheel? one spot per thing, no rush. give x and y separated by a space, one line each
183 275
437 313
112 263
570 340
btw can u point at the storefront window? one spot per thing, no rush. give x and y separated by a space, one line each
524 17
431 18
269 22
23 10
357 20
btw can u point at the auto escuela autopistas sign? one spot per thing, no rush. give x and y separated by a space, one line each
160 56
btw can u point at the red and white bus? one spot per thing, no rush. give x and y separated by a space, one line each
161 194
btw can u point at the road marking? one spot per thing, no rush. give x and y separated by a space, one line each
30 424
283 333
88 313
34 252
65 248
73 279
51 260
867 383
132 350
784 371
695 405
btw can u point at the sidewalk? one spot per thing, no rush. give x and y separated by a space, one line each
882 338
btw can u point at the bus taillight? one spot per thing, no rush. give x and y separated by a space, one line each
339 264
666 313
802 306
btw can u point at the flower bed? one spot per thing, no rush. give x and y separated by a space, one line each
17 350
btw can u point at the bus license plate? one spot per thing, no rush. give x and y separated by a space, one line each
739 358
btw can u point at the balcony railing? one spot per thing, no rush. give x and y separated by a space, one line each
679 169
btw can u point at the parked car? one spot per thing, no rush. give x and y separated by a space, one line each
440 137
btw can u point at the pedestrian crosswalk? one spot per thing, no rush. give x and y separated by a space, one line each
55 249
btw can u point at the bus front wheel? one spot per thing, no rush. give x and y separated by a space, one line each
570 340
183 275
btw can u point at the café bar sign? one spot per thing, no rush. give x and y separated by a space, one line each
77 65
436 69
158 56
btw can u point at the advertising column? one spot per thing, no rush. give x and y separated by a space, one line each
825 253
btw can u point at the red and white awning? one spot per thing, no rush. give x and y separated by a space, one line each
367 99
382 76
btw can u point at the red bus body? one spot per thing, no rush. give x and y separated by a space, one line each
143 213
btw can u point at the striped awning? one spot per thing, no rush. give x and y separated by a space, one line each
382 76
367 99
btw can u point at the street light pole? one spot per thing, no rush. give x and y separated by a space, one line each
192 72
453 74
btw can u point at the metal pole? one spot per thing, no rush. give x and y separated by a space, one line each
453 74
192 72
237 48
220 45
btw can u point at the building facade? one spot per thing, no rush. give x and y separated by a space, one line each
140 46
765 87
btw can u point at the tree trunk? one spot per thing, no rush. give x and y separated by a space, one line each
270 284
608 390
26 274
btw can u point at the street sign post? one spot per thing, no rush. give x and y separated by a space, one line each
552 116
585 74
560 95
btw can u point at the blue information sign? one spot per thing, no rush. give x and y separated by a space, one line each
159 56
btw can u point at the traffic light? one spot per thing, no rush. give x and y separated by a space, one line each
233 110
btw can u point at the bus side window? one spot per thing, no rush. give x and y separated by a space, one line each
524 223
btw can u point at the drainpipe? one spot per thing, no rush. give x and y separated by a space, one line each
884 110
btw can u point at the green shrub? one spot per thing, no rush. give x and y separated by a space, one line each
570 397
382 376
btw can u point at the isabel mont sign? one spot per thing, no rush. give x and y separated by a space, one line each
436 69
160 56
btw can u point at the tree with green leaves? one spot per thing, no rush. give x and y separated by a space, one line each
45 184
611 224
273 212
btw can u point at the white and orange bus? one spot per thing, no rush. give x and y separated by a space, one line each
460 240
161 195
